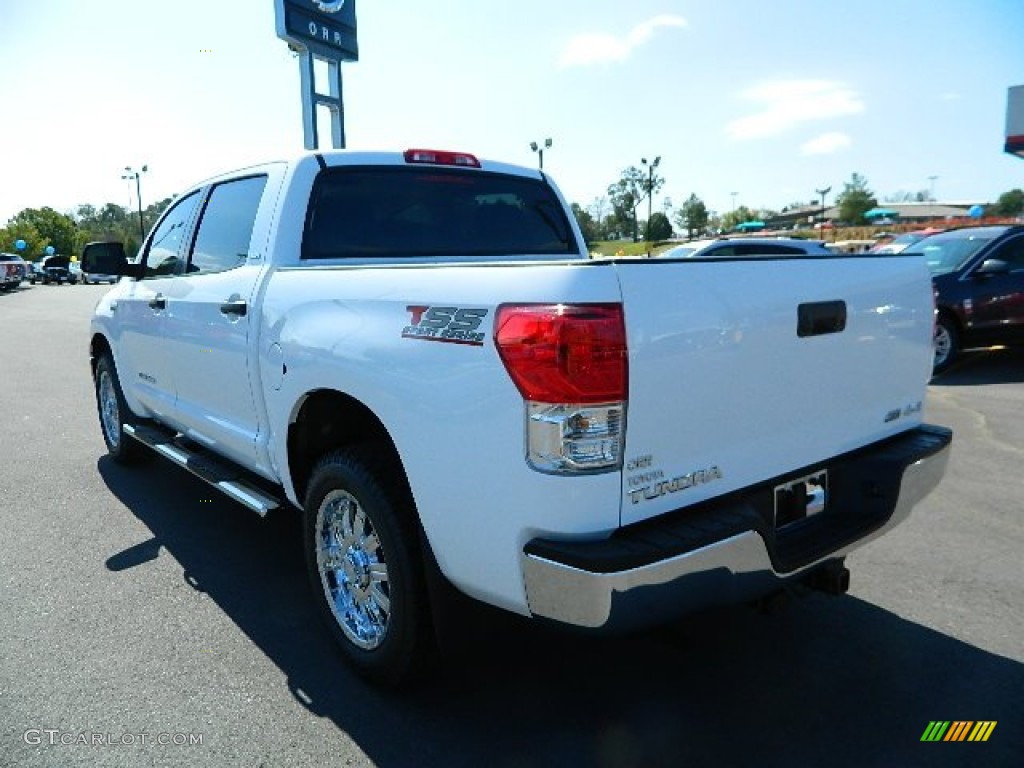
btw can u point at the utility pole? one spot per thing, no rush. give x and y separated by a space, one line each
651 167
130 174
823 192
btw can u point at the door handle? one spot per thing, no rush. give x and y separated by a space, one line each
158 302
821 318
238 307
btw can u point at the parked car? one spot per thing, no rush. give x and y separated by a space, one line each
88 278
51 269
95 277
746 246
13 269
978 274
851 246
899 243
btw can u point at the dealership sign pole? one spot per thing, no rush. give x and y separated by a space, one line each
325 31
1015 121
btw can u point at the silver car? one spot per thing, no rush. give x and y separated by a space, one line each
739 247
13 269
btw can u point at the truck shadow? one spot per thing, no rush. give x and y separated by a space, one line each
984 366
825 682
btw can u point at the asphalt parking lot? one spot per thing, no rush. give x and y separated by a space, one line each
137 604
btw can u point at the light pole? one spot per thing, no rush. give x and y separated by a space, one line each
734 199
539 149
650 196
823 192
130 174
931 187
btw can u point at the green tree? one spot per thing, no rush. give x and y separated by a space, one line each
109 222
659 227
626 194
618 224
737 216
15 231
1010 203
598 210
633 187
587 224
693 216
855 200
56 229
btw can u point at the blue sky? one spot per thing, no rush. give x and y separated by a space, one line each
768 100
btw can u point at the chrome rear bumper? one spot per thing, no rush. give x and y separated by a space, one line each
560 584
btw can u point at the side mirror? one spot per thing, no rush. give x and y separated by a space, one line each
993 267
107 258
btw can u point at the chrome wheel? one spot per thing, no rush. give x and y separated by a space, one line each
942 344
353 570
110 415
946 344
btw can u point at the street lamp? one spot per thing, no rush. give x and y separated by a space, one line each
734 199
823 192
931 187
539 149
132 174
650 195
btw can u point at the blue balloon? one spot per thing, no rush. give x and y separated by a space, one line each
19 244
50 250
976 212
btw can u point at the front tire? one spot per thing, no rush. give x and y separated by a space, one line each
114 412
947 343
363 558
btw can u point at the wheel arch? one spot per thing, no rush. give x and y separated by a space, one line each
325 420
945 310
98 346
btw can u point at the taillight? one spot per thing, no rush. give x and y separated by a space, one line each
569 363
439 157
564 353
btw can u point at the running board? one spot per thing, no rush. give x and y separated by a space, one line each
222 475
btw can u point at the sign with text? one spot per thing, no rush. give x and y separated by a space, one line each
326 28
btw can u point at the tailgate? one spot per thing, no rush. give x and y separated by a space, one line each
740 371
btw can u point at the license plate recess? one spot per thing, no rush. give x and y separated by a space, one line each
801 499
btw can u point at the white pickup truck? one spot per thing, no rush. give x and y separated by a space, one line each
416 350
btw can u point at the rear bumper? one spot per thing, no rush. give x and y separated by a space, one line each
727 551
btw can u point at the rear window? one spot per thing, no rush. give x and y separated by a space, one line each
408 212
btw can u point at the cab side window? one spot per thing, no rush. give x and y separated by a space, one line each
225 225
165 253
724 250
1013 254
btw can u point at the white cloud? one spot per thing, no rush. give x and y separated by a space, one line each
786 104
826 144
950 96
600 47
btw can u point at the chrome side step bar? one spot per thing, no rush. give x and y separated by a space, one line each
222 475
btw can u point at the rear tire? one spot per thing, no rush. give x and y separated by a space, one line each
361 540
113 412
947 343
